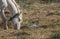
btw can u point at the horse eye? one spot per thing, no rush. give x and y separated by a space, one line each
18 19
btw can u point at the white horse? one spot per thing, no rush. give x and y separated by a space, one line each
16 16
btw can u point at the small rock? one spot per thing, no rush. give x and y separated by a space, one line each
33 26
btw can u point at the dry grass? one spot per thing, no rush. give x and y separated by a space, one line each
45 15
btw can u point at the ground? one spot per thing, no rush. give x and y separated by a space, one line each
46 15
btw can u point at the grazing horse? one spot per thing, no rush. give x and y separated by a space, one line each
16 16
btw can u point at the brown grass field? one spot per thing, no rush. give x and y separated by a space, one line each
45 14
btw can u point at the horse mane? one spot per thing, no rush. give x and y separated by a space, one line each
17 6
